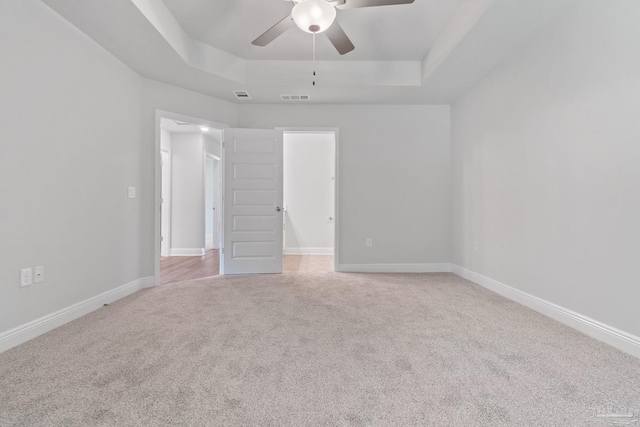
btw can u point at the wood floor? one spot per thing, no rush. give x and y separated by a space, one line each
179 268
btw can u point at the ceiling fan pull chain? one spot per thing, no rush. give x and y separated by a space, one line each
314 58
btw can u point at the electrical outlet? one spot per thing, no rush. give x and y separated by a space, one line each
38 274
26 277
369 242
132 192
475 247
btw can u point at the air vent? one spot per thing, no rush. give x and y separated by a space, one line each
241 94
294 97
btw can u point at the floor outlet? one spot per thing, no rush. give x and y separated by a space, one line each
26 277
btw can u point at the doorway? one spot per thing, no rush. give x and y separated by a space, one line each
188 191
224 205
309 172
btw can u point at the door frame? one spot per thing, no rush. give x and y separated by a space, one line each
217 184
165 241
161 114
336 188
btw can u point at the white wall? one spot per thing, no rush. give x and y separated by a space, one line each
70 129
187 193
546 175
394 176
309 165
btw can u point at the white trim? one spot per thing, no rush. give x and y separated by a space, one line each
30 330
187 251
165 242
605 333
209 241
308 251
444 267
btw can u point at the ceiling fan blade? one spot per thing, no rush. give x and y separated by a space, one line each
353 4
272 33
339 38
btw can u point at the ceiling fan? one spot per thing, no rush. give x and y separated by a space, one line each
317 16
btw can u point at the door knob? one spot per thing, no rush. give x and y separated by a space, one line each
278 208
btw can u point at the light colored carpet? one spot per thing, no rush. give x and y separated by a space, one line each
315 349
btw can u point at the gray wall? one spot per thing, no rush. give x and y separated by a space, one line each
77 128
394 166
546 175
187 191
70 129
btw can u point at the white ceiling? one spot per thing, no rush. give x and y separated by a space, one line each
428 52
388 33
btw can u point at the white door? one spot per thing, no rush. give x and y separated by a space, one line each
252 201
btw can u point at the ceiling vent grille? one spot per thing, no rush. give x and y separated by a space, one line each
294 97
241 94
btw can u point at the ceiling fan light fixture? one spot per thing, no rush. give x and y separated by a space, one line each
313 16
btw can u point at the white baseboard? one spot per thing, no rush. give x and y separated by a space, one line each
30 330
208 241
605 333
444 267
187 252
308 251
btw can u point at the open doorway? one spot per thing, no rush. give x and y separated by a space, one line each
309 177
190 186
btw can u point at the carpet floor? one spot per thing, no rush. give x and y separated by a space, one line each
317 349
